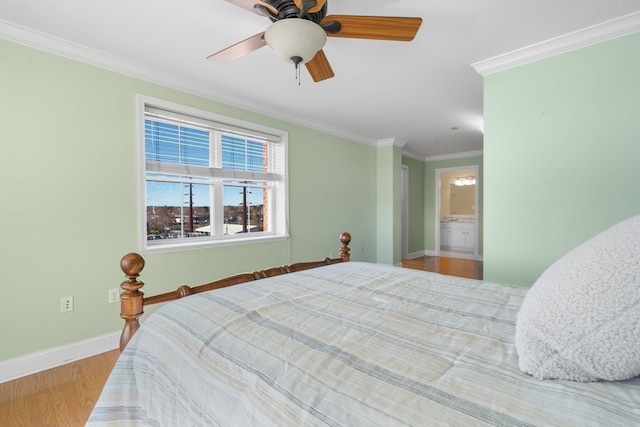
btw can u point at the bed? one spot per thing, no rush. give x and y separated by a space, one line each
340 343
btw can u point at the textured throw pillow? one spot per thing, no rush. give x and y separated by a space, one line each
580 321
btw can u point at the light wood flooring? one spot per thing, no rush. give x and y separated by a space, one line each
450 266
64 396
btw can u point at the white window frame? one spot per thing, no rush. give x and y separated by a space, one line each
279 197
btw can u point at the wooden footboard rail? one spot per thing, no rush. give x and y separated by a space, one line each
132 299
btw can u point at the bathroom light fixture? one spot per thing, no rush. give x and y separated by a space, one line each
467 180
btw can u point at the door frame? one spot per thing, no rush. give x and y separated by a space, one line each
439 171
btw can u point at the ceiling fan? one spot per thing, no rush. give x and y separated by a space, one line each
300 28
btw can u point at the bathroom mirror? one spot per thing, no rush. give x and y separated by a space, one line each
461 200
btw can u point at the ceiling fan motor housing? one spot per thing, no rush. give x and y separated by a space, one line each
288 9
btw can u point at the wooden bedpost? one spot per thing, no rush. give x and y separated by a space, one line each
131 298
345 238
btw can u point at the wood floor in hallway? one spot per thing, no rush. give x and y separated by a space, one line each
450 266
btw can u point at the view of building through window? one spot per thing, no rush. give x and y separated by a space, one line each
203 182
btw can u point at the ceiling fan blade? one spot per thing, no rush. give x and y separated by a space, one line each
374 27
250 5
239 49
313 9
319 67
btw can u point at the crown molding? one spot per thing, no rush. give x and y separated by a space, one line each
77 52
413 155
598 33
477 153
450 156
396 142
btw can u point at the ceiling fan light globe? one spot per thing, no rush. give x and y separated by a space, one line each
294 37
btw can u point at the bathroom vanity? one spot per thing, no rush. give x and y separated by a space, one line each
456 235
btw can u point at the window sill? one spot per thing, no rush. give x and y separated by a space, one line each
208 244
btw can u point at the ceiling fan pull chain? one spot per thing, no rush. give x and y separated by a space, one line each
296 61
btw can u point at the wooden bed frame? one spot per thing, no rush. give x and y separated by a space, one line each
133 301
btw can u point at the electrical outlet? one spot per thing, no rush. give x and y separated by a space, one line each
66 304
114 295
330 254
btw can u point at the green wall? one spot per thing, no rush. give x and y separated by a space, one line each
389 199
431 217
416 204
561 153
68 199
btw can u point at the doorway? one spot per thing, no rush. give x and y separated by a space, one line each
456 222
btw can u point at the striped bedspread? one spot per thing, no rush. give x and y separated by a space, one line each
351 344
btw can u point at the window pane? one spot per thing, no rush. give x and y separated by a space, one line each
244 208
243 154
209 179
177 210
169 143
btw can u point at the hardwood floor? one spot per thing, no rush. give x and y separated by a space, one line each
60 397
64 396
451 266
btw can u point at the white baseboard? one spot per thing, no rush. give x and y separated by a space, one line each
418 254
56 356
456 254
429 252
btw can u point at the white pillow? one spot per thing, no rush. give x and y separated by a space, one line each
580 321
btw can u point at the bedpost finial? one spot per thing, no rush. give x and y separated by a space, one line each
345 239
132 264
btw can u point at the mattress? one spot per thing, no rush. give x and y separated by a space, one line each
351 344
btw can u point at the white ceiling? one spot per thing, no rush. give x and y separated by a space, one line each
424 92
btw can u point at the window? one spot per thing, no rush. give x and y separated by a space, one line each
208 179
